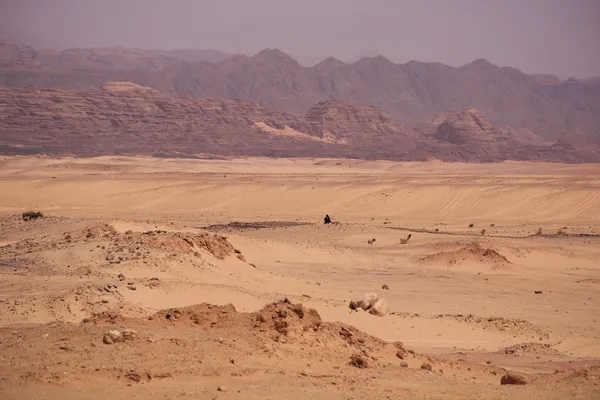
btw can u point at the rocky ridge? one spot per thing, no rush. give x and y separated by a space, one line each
410 93
127 118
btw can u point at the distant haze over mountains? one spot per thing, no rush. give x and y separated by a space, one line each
537 37
411 99
411 93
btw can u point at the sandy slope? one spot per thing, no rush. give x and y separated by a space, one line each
453 292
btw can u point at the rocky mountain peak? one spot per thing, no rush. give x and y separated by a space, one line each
275 55
463 127
376 60
330 62
481 62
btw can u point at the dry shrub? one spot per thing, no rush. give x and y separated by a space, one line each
29 215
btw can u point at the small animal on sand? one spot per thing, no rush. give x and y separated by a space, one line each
371 241
405 241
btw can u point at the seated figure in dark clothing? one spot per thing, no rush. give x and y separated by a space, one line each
327 219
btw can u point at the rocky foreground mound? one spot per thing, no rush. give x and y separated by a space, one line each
125 118
209 349
86 314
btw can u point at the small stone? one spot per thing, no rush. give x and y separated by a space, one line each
116 335
129 334
133 376
107 339
401 354
399 345
427 366
512 378
404 364
131 288
222 388
538 292
358 361
385 287
111 337
121 277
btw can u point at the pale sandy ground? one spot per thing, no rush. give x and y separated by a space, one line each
445 301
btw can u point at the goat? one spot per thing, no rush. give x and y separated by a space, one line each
405 241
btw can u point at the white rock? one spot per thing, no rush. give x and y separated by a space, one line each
380 308
369 300
115 335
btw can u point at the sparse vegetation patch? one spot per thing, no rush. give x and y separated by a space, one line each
28 215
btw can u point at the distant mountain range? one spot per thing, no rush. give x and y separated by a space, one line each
125 118
535 108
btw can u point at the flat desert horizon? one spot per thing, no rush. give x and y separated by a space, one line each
167 278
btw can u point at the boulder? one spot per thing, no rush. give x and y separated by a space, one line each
512 378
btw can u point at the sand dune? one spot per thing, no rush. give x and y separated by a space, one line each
165 225
304 189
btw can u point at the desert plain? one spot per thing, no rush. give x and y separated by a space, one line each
168 278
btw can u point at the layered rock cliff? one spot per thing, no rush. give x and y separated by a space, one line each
127 118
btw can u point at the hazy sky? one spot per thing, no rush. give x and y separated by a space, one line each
548 36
